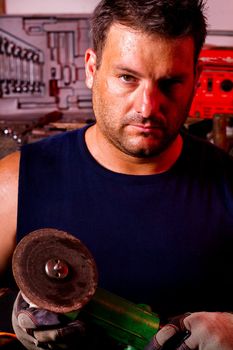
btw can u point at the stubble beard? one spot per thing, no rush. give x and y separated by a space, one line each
137 146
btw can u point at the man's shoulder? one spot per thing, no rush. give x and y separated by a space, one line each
9 167
56 139
205 151
53 147
9 172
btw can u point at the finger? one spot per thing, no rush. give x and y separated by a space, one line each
167 338
32 318
178 322
60 334
175 329
165 334
172 343
184 346
153 345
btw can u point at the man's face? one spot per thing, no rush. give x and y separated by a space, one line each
142 90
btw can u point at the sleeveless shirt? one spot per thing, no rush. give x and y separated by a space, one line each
165 240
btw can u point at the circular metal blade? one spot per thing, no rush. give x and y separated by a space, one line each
54 270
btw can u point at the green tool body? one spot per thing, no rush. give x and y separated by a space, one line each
129 324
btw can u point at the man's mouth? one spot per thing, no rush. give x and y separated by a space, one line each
147 127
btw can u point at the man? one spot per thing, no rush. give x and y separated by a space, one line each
153 205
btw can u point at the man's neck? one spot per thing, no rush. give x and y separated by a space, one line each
115 160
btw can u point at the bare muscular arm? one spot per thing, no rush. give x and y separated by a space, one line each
9 170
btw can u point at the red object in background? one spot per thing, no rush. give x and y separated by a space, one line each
214 93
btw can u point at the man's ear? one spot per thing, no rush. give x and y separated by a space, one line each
90 67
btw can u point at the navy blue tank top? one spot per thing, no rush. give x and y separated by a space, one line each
165 240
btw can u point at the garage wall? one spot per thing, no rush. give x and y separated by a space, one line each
220 19
219 14
49 6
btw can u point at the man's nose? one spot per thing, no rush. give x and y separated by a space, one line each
148 100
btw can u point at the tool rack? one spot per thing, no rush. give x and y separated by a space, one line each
42 66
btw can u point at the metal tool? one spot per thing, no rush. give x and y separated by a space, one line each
55 271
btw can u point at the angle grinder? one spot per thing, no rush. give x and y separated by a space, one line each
55 271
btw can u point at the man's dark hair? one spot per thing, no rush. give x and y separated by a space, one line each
168 18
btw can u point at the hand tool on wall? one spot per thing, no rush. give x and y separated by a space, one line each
65 56
1 66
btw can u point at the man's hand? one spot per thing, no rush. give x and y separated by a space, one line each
201 331
41 329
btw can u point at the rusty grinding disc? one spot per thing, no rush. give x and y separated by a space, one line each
54 270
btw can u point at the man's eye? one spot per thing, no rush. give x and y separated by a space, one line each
167 85
126 78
